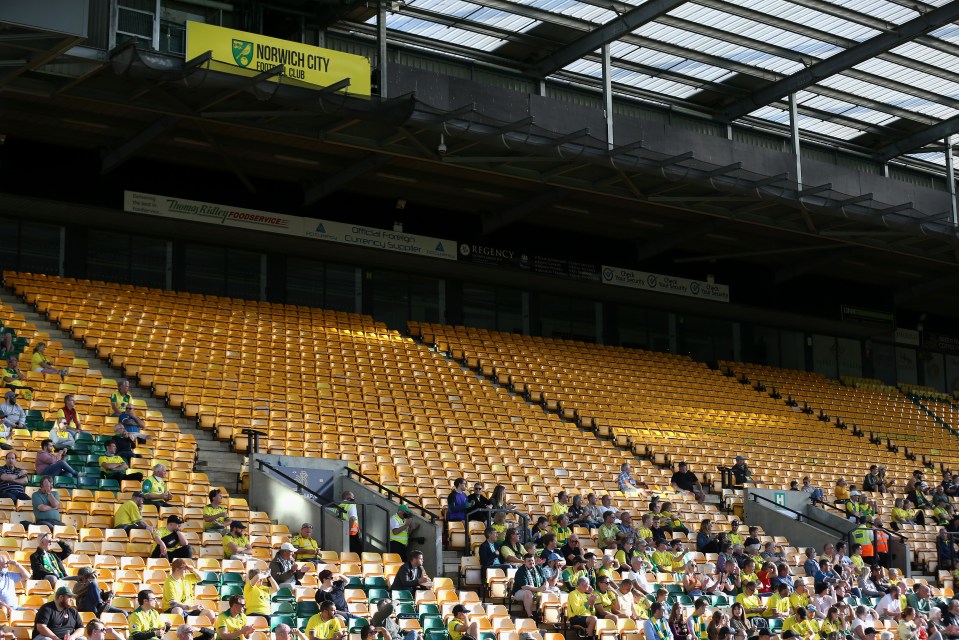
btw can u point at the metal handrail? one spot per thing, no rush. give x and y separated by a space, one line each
432 516
301 489
845 513
800 516
489 511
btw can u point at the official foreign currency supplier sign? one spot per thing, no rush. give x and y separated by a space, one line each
248 54
665 284
340 232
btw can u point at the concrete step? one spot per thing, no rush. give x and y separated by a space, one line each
222 465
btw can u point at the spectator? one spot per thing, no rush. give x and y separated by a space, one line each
13 479
697 624
889 606
325 625
527 583
814 492
232 623
907 625
132 423
8 583
58 620
811 564
498 499
457 501
401 526
50 463
114 467
128 515
606 599
236 544
40 363
68 412
215 516
154 488
677 624
655 628
741 472
12 416
686 480
749 600
306 547
62 437
946 550
121 398
282 631
331 589
477 500
170 541
593 512
609 532
627 484
511 551
581 607
872 482
90 599
46 564
383 619
125 443
257 592
411 575
284 570
46 504
14 378
96 630
7 347
841 492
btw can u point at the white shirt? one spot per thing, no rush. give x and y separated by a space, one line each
888 605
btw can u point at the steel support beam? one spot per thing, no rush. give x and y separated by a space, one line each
823 69
350 173
381 39
37 59
626 23
796 269
661 245
919 139
502 219
951 180
118 156
608 95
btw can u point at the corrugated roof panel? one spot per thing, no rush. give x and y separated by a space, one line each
574 9
443 33
810 17
928 55
881 9
910 77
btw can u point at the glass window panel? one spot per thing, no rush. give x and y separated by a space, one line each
792 349
424 299
631 327
850 357
121 257
658 323
765 347
933 369
906 370
884 363
391 299
569 318
204 269
305 282
952 373
244 271
479 306
824 355
341 288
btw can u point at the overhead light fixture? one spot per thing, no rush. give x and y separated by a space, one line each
396 178
312 163
646 223
480 192
573 209
191 141
85 123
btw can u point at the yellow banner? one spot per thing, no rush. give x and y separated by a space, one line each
249 54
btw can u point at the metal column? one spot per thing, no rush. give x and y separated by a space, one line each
381 47
951 181
608 95
794 135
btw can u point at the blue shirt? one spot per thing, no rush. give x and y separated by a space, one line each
8 588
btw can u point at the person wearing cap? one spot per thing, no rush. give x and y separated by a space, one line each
741 472
325 625
685 480
236 544
114 467
145 621
307 548
12 416
59 619
347 509
411 575
46 504
154 488
282 631
46 564
128 515
801 624
170 541
869 633
11 573
401 526
13 479
259 586
179 590
552 569
89 595
284 570
460 625
232 623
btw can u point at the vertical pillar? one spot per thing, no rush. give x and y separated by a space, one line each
794 135
608 95
168 283
381 47
263 275
62 258
951 181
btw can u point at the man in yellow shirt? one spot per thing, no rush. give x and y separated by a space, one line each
215 516
581 607
231 624
799 599
306 547
325 625
128 516
145 621
121 397
179 590
236 544
154 488
113 467
257 590
605 599
778 605
170 541
750 601
559 507
801 624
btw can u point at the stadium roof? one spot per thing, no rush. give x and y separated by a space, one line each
879 75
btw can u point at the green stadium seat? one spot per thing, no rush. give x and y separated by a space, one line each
276 620
306 608
402 595
227 590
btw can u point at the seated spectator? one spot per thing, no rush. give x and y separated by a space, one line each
540 530
284 570
656 626
606 599
559 508
692 580
232 623
741 472
170 541
658 530
215 516
307 549
511 551
475 502
889 606
550 547
778 605
815 493
686 480
7 348
96 630
581 608
59 619
68 413
331 589
811 564
236 544
46 564
637 575
257 592
154 488
488 551
90 599
46 504
670 520
527 583
14 378
13 479
128 515
627 484
456 502
411 575
125 443
325 625
841 492
574 570
40 363
593 513
121 398
460 625
500 526
625 553
61 436
11 574
609 532
946 550
50 463
562 530
12 416
872 482
383 619
113 467
132 423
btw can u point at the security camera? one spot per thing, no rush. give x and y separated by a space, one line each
441 149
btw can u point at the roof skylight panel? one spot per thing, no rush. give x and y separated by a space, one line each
878 9
574 9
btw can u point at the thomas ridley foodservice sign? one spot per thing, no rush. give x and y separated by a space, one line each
665 284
